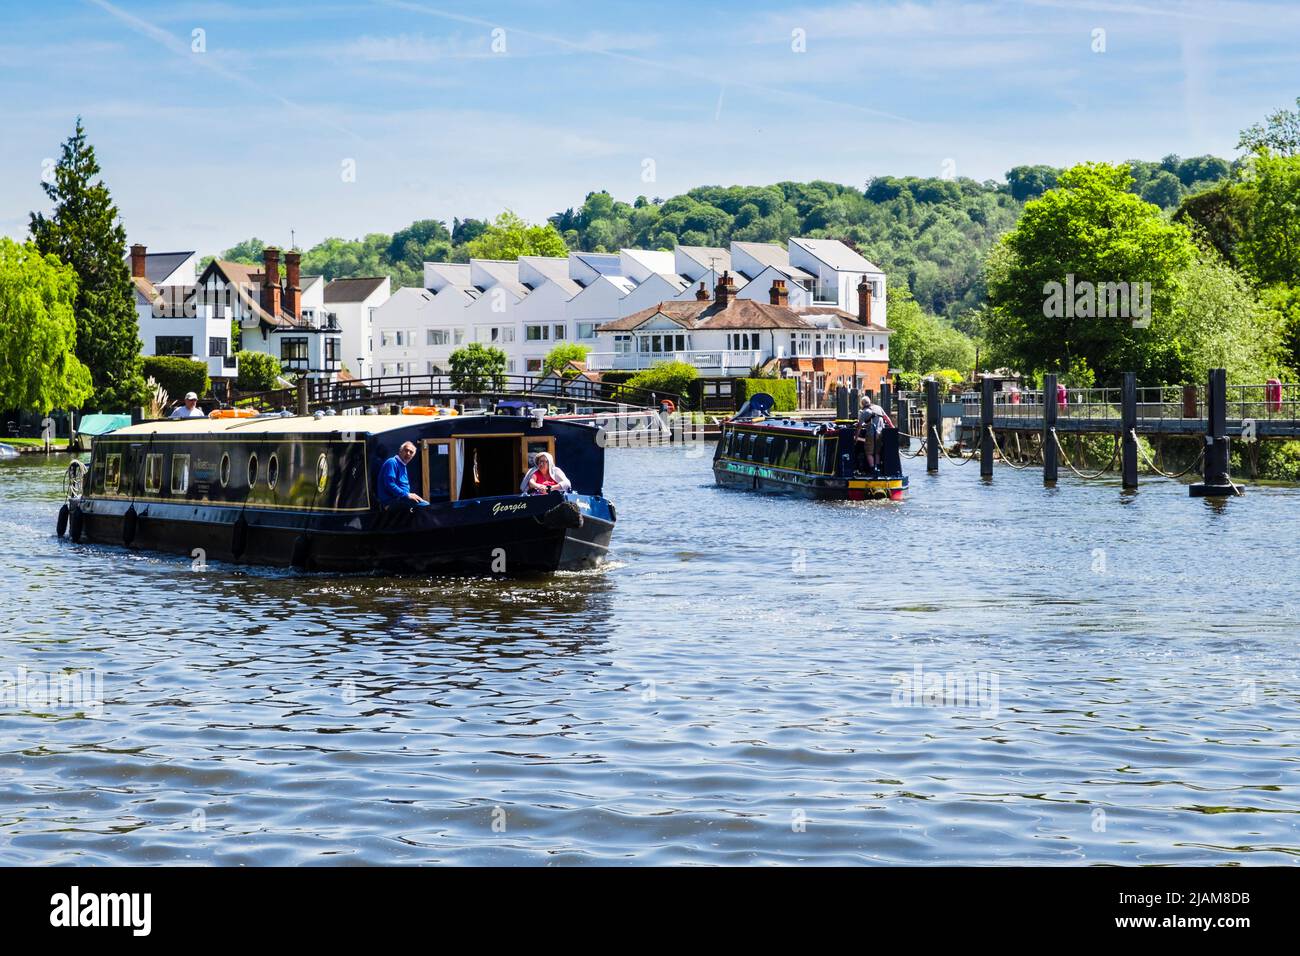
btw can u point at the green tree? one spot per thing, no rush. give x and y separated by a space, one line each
1279 133
564 353
177 375
1219 216
509 237
85 232
1270 250
921 343
39 370
476 367
666 378
258 372
1090 229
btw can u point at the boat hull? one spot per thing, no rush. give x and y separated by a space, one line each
748 477
510 536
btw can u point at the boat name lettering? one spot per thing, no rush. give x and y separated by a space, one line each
501 506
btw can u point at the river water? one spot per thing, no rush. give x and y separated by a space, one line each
751 681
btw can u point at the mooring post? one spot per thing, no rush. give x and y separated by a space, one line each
1049 428
1217 482
986 427
841 403
904 422
886 398
1128 441
304 402
933 425
855 402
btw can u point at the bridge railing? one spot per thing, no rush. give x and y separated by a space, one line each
395 388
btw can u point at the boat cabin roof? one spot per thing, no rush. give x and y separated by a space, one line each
277 425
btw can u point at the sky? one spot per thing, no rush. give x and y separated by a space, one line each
219 121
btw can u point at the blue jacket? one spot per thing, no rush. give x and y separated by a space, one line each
394 482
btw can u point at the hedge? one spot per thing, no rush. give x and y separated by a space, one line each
672 377
177 375
785 391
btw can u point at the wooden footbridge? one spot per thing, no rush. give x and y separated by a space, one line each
1216 413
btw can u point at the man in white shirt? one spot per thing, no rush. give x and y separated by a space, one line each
190 409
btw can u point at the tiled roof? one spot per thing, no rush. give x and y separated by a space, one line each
740 314
353 290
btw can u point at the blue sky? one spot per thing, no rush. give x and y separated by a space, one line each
252 135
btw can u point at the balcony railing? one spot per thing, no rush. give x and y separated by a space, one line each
716 360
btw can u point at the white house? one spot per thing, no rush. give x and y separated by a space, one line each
353 302
274 316
168 318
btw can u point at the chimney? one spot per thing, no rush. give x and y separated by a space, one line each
864 301
725 291
271 280
293 292
137 261
702 294
778 294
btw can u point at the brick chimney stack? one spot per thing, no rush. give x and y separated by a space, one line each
702 294
726 290
864 301
137 261
778 294
271 280
293 292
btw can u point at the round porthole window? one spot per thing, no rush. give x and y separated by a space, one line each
322 472
252 470
272 471
225 470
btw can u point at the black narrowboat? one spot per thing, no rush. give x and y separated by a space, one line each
301 492
849 460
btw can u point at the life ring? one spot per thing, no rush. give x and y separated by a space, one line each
301 552
667 406
76 522
238 538
130 524
61 525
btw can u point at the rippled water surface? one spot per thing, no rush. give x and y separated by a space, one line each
1120 686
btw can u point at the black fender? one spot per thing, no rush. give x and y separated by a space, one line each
76 524
301 552
130 524
564 515
239 537
61 525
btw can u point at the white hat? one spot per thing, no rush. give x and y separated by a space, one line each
190 396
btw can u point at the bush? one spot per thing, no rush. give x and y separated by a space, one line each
258 371
666 377
477 367
560 357
784 391
947 378
177 375
617 376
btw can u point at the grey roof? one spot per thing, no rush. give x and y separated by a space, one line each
603 262
456 273
703 255
356 289
837 255
159 265
504 273
556 271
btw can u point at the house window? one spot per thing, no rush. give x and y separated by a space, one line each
173 345
333 345
112 473
534 365
587 330
559 332
386 368
742 341
457 336
217 346
537 333
510 366
437 337
293 350
622 344
387 339
180 474
507 334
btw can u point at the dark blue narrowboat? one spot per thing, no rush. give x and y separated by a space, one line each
301 492
841 460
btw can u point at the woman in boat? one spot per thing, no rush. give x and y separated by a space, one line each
544 477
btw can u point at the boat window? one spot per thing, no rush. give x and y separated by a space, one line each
272 471
225 470
113 473
153 472
322 472
252 470
180 474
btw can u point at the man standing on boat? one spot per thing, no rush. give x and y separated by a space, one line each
395 482
190 409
